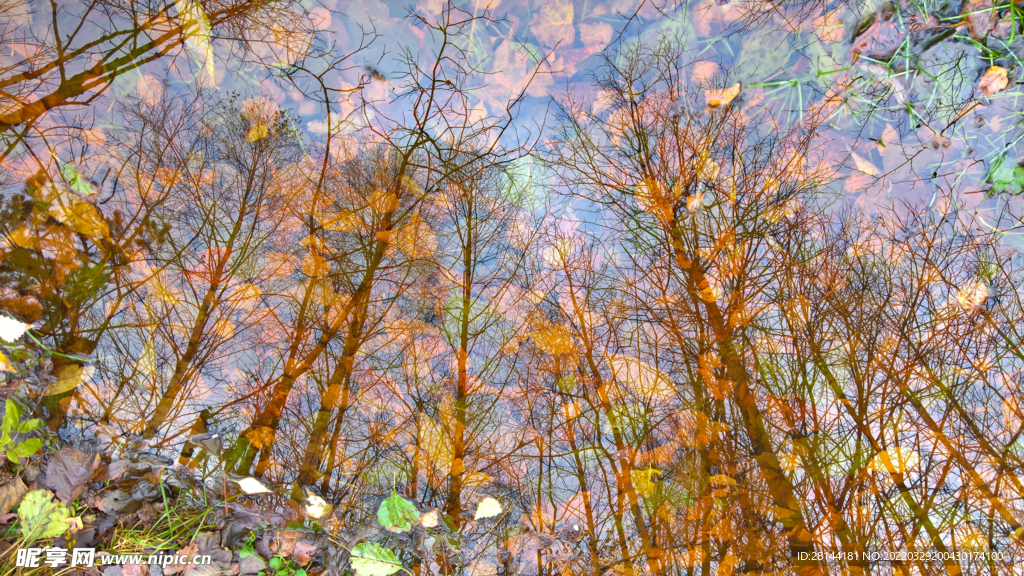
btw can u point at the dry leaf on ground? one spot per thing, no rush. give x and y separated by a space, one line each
995 79
68 471
11 494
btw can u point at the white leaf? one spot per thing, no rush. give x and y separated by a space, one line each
11 329
429 520
972 295
487 508
864 165
316 507
251 485
196 26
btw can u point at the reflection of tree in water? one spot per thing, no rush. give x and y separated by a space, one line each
657 342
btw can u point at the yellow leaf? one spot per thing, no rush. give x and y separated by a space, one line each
81 216
246 297
382 202
798 310
995 80
972 295
710 293
67 378
969 536
147 360
722 96
721 480
23 237
719 388
554 340
314 265
476 480
60 241
5 364
643 481
224 328
895 461
709 361
341 221
260 436
653 198
435 444
789 461
162 292
722 530
696 430
706 167
416 238
692 557
640 377
256 132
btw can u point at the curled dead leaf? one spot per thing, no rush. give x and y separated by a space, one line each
723 96
75 523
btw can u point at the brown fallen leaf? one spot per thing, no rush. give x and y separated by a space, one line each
304 552
994 80
68 471
879 42
134 570
187 552
11 494
113 471
722 96
979 18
